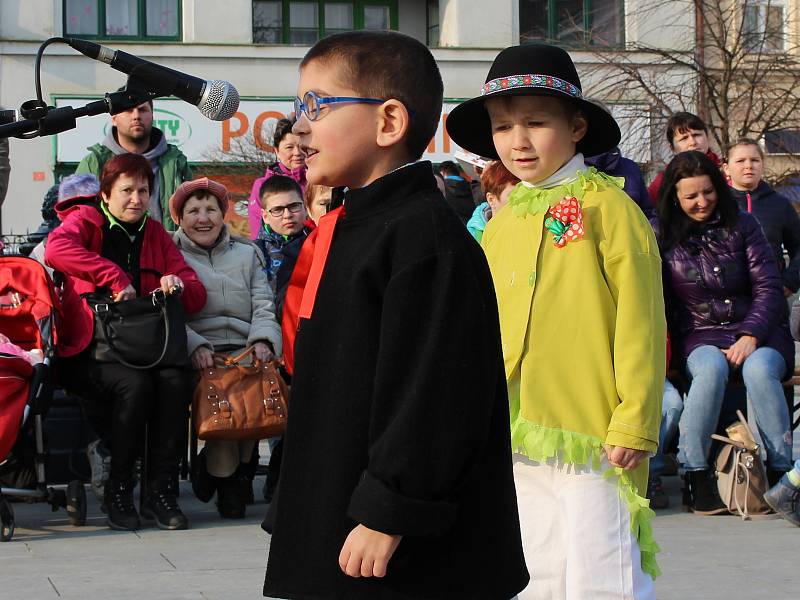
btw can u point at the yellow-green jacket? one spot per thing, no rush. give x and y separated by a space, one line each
583 332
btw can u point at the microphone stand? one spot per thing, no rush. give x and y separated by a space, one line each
48 120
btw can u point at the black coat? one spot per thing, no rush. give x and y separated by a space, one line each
399 412
613 163
459 195
781 225
721 284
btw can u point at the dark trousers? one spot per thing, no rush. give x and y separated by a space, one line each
118 401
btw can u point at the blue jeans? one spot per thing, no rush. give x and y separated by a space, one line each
671 408
762 372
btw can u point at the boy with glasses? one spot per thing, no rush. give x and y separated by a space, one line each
396 479
283 230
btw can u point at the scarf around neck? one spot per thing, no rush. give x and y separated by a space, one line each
571 180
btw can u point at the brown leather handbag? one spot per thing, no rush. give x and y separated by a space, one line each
240 400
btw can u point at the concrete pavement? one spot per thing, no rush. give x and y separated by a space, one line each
702 558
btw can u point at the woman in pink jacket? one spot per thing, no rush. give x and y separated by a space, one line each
107 243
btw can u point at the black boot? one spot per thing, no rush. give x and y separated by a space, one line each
231 497
119 508
702 493
656 494
162 505
203 483
773 477
247 470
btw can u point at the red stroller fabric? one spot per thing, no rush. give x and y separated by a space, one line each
29 308
15 376
28 304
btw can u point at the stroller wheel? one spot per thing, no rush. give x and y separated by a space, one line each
6 521
76 503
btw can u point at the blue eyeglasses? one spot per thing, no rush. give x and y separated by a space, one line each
312 104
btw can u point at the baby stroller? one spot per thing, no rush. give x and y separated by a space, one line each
29 306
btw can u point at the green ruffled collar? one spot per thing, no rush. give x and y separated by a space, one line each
526 199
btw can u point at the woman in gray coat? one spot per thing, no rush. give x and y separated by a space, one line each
239 312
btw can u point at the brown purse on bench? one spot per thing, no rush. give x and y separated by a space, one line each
240 400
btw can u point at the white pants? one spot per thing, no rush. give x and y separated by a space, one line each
576 534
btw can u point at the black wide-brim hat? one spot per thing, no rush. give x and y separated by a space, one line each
530 70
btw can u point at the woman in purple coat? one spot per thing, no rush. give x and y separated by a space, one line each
724 306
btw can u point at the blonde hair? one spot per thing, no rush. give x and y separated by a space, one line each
744 142
312 191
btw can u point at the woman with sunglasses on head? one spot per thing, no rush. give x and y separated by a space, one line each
291 162
724 304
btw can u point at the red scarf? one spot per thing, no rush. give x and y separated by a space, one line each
304 283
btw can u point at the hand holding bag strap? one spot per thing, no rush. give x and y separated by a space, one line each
162 303
230 360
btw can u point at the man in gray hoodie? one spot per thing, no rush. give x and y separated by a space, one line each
132 131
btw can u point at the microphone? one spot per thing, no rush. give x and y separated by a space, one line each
217 100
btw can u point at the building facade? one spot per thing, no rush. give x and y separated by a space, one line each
257 46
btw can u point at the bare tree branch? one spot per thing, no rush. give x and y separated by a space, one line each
747 71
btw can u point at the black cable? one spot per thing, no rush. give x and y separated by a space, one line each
38 81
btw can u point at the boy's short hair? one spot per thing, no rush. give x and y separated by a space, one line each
496 177
278 184
681 122
389 65
449 168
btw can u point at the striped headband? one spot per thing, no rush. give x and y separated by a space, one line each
530 81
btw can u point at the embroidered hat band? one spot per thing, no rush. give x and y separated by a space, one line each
530 81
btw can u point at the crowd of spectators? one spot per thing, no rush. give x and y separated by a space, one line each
729 242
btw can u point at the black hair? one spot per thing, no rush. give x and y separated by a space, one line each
149 101
676 224
278 184
681 122
448 167
389 65
49 206
282 128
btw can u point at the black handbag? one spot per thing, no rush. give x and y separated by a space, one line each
141 333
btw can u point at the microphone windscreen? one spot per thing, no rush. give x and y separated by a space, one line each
220 100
